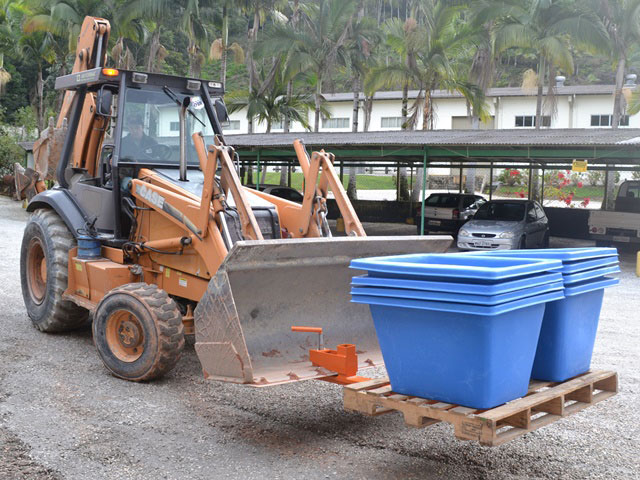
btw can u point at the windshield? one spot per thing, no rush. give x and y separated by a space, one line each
445 201
506 212
151 130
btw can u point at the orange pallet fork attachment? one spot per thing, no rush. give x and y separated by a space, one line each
343 360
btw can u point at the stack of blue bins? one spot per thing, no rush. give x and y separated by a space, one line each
569 326
458 328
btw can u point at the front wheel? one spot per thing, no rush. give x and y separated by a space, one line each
138 331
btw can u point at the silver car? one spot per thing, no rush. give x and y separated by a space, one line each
506 225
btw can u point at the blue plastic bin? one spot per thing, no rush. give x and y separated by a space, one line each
456 297
447 285
483 269
569 330
477 356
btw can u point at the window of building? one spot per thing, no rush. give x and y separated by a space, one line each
337 122
464 123
174 126
605 120
233 125
391 122
276 125
530 121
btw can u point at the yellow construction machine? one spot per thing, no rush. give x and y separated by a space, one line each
150 234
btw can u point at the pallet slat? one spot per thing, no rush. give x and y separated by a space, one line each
545 403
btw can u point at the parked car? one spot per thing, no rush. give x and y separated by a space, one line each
447 212
287 193
622 225
506 225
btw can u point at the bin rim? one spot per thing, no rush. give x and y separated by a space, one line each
582 265
506 286
468 309
465 298
409 265
565 254
571 278
590 286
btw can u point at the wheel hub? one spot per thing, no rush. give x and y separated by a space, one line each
129 334
36 271
125 336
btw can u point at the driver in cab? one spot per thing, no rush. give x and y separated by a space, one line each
137 145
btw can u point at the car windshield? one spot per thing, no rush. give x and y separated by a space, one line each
151 130
501 211
444 201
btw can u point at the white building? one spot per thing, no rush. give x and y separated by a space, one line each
581 106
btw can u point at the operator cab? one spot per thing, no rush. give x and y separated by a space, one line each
159 114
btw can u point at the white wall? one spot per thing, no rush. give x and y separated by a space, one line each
573 111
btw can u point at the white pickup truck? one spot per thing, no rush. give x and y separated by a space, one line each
623 223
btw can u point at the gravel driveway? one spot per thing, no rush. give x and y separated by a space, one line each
62 416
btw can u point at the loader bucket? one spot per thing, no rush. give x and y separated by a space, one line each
263 287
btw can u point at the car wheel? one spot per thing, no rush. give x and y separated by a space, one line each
545 240
522 244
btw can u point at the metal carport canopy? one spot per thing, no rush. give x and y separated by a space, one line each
462 147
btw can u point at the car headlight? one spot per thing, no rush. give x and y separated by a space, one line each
505 235
464 233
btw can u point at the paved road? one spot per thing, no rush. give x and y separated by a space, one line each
62 416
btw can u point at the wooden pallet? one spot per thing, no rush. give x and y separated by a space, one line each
545 403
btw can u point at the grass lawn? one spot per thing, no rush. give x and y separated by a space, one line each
363 182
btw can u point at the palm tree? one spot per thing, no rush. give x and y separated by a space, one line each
259 10
546 28
220 48
273 105
156 14
404 40
38 47
621 19
319 46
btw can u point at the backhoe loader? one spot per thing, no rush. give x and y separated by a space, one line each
150 235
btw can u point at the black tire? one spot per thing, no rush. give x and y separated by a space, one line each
545 240
138 331
522 244
46 242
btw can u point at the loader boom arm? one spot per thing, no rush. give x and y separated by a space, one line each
91 52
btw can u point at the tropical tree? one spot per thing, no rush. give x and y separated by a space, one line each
320 45
548 28
273 105
621 19
38 47
220 48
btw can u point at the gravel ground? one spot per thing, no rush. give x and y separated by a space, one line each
62 416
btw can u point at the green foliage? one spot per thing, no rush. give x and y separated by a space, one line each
10 152
25 118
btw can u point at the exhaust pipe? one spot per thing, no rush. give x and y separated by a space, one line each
183 139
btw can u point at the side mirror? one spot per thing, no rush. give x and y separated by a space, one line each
104 101
531 218
221 111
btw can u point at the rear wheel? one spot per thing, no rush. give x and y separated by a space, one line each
545 240
44 259
138 331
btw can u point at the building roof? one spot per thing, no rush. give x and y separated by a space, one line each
513 137
491 92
